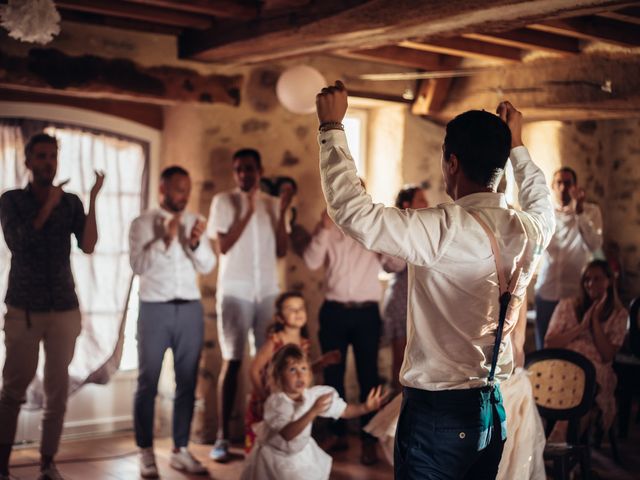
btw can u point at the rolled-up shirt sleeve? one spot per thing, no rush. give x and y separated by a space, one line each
590 225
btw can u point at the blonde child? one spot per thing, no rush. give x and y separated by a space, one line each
289 327
284 449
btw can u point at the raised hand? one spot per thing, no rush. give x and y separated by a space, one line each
196 232
513 118
322 403
331 103
55 193
97 186
171 227
376 399
578 194
286 195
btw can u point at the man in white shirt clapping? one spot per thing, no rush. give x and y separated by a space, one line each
248 228
578 235
167 251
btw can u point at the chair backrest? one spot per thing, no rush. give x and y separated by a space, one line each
564 384
634 334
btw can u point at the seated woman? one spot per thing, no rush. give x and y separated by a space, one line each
594 325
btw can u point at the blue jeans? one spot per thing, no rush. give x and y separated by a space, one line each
449 434
544 311
180 327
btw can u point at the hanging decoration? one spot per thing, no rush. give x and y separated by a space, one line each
297 88
33 21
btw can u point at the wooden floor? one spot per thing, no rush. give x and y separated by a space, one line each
115 457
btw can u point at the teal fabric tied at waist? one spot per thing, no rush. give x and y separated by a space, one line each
492 405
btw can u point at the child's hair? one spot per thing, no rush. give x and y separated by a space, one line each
279 362
277 325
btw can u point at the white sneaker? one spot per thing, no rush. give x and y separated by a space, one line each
148 467
220 451
183 460
50 473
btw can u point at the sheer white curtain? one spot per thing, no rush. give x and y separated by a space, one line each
103 280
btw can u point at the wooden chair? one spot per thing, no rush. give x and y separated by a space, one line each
564 387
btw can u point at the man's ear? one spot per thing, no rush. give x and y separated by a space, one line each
453 164
163 187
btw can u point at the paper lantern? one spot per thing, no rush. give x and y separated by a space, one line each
297 88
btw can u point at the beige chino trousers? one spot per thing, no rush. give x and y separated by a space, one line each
58 332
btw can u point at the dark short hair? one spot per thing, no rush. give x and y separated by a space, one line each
568 170
36 139
169 172
280 181
281 358
249 152
406 196
481 141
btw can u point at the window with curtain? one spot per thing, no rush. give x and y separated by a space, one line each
104 281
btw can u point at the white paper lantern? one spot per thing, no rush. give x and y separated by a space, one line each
297 88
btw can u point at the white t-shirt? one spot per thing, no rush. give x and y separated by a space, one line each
248 269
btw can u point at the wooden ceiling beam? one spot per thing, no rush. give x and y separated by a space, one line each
431 97
593 28
121 23
212 8
333 25
627 15
405 57
466 48
528 39
115 8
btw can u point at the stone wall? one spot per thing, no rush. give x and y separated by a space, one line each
606 157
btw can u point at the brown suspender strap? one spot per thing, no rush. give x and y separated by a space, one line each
506 289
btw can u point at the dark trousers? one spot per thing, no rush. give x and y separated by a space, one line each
448 435
544 311
180 327
342 325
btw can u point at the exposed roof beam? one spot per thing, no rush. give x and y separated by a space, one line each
432 94
530 40
466 48
628 15
593 28
121 23
213 8
406 57
121 9
334 25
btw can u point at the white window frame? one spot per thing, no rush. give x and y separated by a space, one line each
362 115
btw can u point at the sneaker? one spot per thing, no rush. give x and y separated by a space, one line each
220 451
50 473
183 460
148 467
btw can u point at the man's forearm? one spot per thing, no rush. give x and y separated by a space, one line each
282 238
43 215
90 233
227 240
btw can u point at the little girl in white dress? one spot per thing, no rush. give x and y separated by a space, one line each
284 449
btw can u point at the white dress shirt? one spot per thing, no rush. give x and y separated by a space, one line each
575 240
248 270
167 273
453 286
